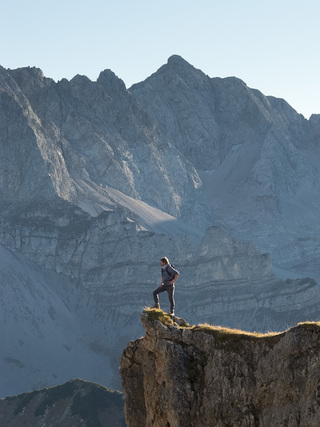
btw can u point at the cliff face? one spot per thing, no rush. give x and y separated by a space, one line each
205 376
255 156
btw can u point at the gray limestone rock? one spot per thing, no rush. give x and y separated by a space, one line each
97 182
199 376
257 158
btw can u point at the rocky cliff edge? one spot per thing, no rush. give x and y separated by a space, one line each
182 375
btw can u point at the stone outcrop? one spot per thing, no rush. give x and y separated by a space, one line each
72 404
195 376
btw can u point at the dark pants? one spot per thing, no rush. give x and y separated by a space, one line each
170 290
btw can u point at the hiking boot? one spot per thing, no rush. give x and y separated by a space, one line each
157 306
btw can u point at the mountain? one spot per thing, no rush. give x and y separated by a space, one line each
73 403
256 157
201 375
98 182
82 139
52 331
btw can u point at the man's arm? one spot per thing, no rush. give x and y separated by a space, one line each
174 279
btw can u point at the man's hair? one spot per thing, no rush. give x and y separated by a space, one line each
165 260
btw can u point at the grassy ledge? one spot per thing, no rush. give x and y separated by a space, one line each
166 319
158 314
222 333
309 325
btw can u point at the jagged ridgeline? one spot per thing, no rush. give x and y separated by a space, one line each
98 182
184 375
71 404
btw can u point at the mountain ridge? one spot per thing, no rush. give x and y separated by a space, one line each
98 182
70 404
257 165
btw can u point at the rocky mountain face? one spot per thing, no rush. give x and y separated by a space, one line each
75 139
71 404
52 330
98 182
256 157
70 305
200 376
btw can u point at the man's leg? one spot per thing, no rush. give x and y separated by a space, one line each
156 293
170 290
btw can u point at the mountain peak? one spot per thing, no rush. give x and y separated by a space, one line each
108 78
176 66
177 60
65 402
180 65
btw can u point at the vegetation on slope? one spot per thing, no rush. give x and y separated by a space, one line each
220 332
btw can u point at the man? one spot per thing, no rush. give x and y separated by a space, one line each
168 276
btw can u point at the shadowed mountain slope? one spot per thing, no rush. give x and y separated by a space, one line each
71 404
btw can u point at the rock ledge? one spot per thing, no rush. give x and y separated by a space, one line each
179 375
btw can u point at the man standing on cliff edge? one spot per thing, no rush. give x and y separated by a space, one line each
168 276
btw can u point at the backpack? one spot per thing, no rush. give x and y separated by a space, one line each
172 275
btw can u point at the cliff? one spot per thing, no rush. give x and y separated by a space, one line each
182 375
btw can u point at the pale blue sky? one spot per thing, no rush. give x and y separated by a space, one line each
273 45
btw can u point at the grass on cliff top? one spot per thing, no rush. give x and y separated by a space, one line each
158 314
166 319
220 331
308 325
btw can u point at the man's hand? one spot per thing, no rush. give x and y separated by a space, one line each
175 278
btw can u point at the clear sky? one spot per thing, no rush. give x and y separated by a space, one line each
272 45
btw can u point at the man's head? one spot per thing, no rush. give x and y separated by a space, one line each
164 261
